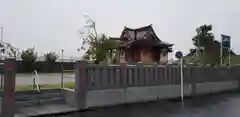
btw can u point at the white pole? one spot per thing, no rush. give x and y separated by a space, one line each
221 55
229 57
203 52
62 69
1 34
181 69
1 42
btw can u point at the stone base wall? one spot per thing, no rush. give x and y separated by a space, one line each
108 97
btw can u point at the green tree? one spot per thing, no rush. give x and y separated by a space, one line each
29 57
50 59
207 47
103 49
98 47
7 48
13 52
204 37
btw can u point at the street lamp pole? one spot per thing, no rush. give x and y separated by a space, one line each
1 42
1 58
229 57
62 68
221 55
1 34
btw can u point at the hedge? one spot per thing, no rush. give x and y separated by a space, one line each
43 67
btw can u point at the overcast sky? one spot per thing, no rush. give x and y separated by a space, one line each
52 25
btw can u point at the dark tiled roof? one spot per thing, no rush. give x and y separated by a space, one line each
139 29
142 36
146 42
142 31
114 38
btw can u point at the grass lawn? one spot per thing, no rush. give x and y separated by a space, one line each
44 86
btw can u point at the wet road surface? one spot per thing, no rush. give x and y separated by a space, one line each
219 105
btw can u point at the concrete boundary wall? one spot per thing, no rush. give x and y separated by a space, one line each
215 87
154 93
106 85
108 97
133 95
95 98
69 96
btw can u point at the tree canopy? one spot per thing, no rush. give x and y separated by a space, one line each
101 50
98 47
29 56
207 49
7 48
50 57
206 46
204 37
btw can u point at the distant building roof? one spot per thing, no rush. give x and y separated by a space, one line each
193 51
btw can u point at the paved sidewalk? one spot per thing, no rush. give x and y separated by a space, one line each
43 109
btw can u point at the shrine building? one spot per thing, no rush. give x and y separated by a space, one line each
141 45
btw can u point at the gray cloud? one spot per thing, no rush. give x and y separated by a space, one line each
52 25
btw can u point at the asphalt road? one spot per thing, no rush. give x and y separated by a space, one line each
220 105
27 79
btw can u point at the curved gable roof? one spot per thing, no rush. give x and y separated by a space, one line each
139 33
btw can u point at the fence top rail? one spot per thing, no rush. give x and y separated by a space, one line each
67 70
157 65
